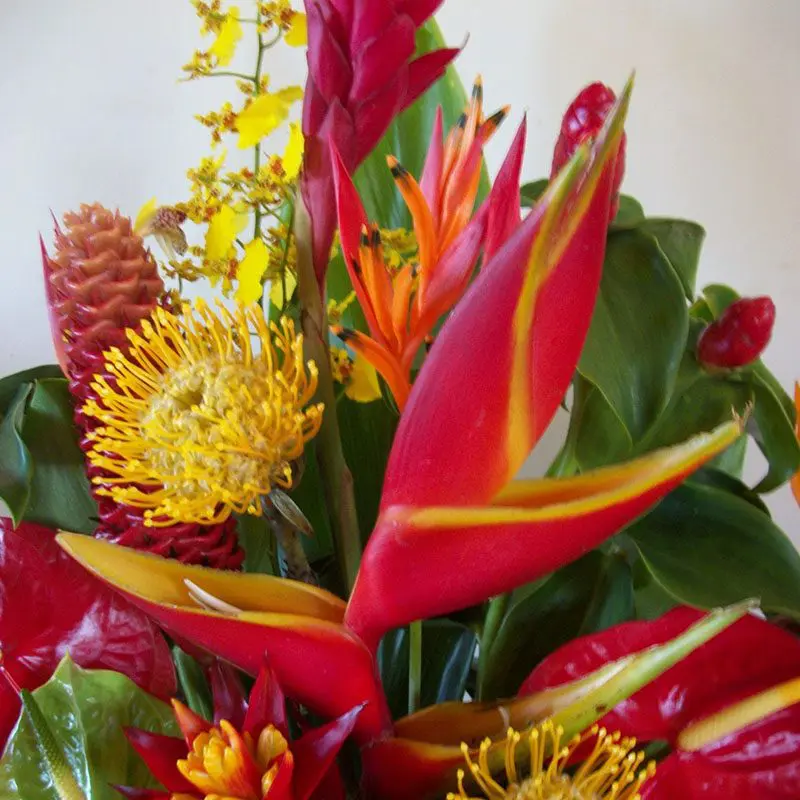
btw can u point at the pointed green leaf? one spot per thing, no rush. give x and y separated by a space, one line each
681 242
10 384
85 710
16 467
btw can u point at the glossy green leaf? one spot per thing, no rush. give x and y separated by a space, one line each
716 478
531 192
60 495
86 710
629 215
447 651
731 460
589 595
681 242
638 331
408 137
708 547
773 431
718 297
258 542
193 683
310 497
10 384
367 435
16 467
600 438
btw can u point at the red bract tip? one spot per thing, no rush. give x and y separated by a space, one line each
583 120
739 336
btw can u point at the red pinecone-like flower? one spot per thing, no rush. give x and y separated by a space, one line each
360 76
583 120
739 336
99 281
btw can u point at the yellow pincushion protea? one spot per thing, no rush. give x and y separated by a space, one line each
203 415
611 771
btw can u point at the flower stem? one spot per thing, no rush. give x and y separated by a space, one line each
257 159
414 666
336 476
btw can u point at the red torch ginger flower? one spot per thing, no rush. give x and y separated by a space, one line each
248 757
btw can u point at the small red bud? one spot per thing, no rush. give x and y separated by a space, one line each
739 336
583 120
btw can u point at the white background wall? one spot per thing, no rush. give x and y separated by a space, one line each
90 110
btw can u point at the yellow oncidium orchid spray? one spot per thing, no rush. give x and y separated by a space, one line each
196 421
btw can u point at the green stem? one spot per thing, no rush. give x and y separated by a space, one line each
228 74
336 476
414 666
491 625
257 159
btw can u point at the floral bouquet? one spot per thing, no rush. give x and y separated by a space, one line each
295 511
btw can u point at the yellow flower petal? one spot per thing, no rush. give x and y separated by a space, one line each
146 213
230 33
276 290
225 225
293 155
363 386
297 35
251 270
266 113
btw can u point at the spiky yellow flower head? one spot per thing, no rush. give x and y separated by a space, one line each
203 415
227 765
610 771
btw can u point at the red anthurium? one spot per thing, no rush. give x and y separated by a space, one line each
403 307
730 710
361 74
249 761
455 528
239 617
49 605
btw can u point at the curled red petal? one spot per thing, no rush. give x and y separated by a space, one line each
73 612
230 702
282 787
749 657
425 71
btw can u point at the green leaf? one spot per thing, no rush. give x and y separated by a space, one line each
681 242
408 138
530 192
709 476
16 468
629 215
586 596
447 651
367 434
258 542
59 495
10 384
86 710
193 683
773 432
731 460
310 497
708 547
638 331
600 438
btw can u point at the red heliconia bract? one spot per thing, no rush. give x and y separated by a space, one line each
100 281
739 336
50 606
361 74
583 120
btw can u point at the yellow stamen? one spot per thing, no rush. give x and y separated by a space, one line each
733 718
610 772
196 423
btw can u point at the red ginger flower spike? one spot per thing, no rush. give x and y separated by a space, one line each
250 758
739 336
361 74
583 120
50 605
403 307
100 281
730 710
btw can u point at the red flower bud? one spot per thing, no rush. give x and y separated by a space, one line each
583 120
739 336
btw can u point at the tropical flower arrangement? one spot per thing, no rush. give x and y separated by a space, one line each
294 512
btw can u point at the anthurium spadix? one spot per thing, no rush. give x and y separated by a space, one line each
421 760
455 528
239 617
